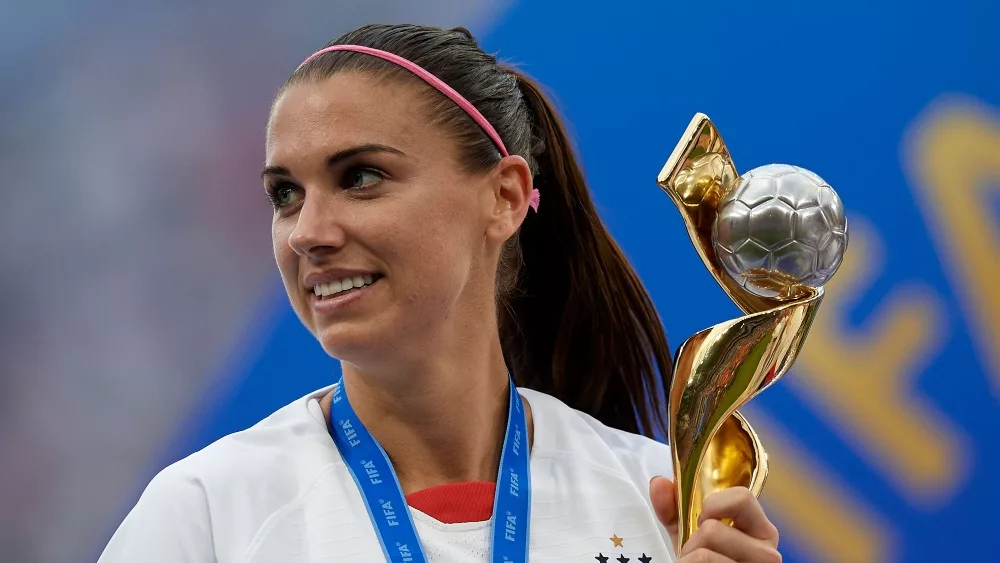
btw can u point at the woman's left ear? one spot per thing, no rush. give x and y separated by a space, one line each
512 185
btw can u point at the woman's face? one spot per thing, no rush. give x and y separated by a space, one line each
383 240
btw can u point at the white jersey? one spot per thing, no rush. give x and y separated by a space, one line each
279 492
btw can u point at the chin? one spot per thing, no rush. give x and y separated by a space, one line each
353 344
342 343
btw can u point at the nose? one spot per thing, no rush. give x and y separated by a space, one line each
317 231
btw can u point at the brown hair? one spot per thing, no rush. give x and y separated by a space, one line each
575 321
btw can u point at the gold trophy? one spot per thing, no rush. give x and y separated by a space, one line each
771 237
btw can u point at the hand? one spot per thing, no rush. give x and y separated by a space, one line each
751 539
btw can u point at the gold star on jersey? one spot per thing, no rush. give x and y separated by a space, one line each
622 557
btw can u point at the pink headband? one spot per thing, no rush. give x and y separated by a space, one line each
438 84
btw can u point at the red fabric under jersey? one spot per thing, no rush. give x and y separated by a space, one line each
454 503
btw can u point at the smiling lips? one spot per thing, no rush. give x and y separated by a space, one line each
345 284
341 285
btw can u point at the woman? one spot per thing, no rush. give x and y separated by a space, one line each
434 231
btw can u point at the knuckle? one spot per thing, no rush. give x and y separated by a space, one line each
701 555
771 555
772 534
711 528
745 495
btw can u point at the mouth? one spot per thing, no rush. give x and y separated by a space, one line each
343 287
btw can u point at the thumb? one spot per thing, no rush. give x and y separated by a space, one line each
663 495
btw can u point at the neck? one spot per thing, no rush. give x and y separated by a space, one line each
443 422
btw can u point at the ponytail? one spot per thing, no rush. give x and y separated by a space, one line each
579 324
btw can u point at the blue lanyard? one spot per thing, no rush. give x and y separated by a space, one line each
383 496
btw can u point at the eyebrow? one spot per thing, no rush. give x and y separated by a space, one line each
337 157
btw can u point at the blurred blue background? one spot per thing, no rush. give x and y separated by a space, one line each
141 316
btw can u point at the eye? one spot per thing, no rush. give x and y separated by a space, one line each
283 194
362 177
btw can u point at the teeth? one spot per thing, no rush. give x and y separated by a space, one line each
334 287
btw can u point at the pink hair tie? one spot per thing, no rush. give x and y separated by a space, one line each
439 85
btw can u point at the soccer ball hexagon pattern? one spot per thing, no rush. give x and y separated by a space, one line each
780 226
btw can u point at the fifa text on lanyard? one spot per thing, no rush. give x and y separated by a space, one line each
383 496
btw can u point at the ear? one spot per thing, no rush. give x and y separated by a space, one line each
512 185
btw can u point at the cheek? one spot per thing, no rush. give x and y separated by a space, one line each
286 259
436 245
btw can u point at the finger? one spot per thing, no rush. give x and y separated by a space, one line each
662 493
702 555
741 506
720 538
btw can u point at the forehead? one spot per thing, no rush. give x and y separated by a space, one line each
350 109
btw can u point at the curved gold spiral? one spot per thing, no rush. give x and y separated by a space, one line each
721 368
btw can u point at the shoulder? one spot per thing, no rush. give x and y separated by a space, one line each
572 434
169 523
290 443
217 498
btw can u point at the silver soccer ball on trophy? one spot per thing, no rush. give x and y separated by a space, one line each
780 228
